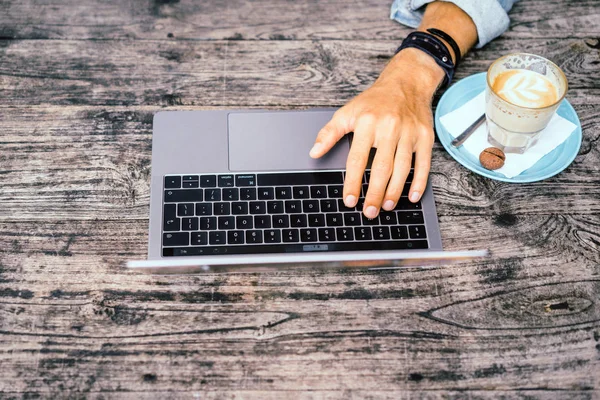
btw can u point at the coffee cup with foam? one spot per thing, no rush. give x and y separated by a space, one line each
522 94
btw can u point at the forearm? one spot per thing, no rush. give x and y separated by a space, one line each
412 66
451 19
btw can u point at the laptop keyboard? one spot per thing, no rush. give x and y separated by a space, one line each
282 212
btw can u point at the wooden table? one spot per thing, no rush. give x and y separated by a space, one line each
79 84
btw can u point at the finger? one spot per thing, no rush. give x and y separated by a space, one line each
402 163
331 133
422 165
358 157
381 170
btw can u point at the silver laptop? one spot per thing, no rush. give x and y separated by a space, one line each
238 191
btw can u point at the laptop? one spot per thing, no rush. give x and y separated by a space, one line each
237 191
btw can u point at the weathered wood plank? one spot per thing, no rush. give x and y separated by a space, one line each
75 145
83 163
321 344
42 260
245 20
230 73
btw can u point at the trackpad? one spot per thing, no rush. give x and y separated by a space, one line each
271 141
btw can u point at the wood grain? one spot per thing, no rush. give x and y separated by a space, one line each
80 82
245 20
230 73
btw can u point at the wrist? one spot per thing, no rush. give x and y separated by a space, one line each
413 68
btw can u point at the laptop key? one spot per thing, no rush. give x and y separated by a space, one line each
293 206
272 236
217 237
262 221
281 221
291 235
342 207
226 223
301 192
235 237
170 211
191 184
254 237
345 234
176 239
185 209
244 222
222 209
316 220
266 193
231 194
381 232
410 217
172 182
326 234
226 181
208 223
208 181
308 235
258 207
369 221
360 203
417 232
204 209
275 207
352 219
405 204
171 225
283 193
399 232
183 195
310 206
335 191
189 224
239 208
298 221
388 218
248 194
363 233
245 180
318 192
212 194
328 205
199 238
334 219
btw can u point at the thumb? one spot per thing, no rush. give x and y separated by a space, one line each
331 133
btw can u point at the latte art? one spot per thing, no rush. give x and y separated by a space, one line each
525 88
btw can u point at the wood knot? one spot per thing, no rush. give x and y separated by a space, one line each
565 306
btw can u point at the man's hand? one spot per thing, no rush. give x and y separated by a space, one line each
394 117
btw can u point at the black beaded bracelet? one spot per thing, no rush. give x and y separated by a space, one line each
433 46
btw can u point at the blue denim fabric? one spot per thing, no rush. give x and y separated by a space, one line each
490 16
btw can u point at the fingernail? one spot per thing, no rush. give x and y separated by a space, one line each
388 205
414 197
350 201
316 149
371 212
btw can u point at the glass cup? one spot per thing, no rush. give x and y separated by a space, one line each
522 94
